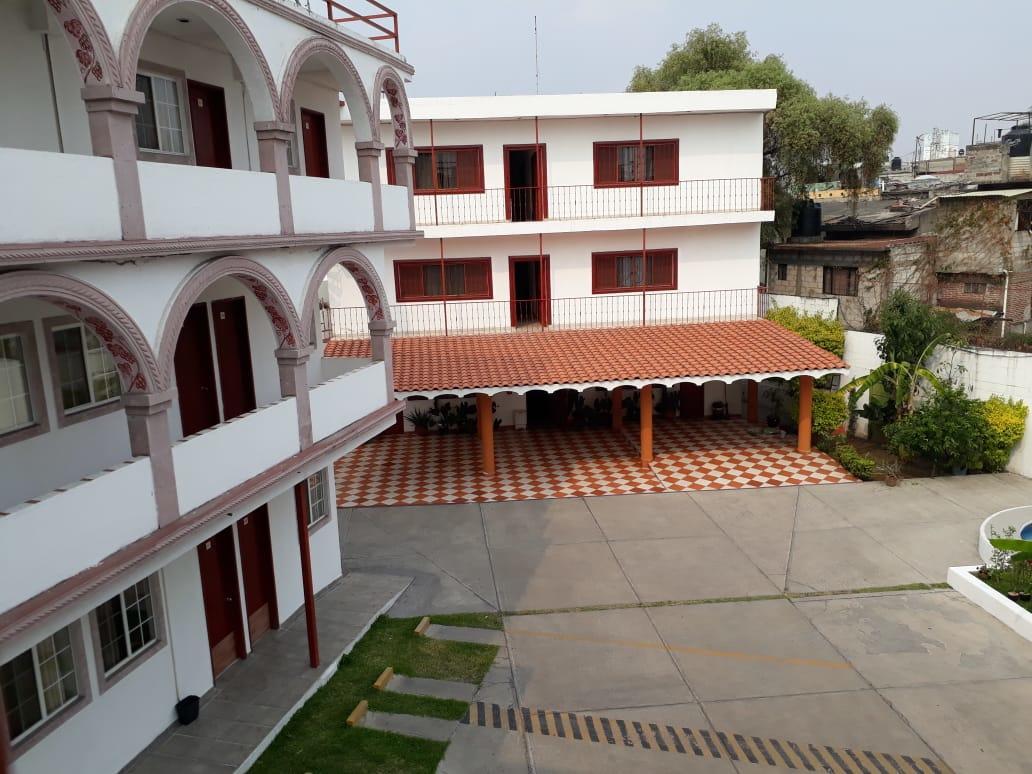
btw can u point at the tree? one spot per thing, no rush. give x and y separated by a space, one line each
807 139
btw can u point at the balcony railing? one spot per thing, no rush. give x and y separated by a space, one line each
379 20
586 202
614 310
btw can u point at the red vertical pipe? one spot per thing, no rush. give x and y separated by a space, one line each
540 194
641 206
644 273
301 507
444 289
433 171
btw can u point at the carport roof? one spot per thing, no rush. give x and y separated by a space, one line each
597 357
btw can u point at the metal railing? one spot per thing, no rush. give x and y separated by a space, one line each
586 202
610 310
382 20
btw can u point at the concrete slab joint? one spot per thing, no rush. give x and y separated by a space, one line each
111 112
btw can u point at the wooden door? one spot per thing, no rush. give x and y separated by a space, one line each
233 347
313 135
693 401
529 289
195 373
256 569
221 594
526 182
209 124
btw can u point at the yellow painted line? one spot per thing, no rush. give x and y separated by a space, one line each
686 649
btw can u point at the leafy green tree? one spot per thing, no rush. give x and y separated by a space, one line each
895 386
908 325
808 139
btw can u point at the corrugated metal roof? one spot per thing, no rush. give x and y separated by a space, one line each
1005 193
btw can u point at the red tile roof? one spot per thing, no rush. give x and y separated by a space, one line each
584 356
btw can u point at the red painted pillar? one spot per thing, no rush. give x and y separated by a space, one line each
485 427
646 424
301 507
805 412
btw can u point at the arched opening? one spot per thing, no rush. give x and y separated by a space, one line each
59 46
219 343
393 120
68 356
317 78
204 80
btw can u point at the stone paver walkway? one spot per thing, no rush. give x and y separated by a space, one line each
539 464
255 697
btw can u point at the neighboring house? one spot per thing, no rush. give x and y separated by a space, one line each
568 241
175 185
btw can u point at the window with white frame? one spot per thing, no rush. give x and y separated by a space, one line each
126 625
39 683
86 371
15 398
318 504
159 120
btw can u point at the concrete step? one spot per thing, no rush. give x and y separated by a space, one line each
466 634
409 725
438 689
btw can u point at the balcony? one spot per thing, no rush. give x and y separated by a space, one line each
612 310
324 205
568 203
341 400
76 526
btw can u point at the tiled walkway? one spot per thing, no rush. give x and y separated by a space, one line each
538 464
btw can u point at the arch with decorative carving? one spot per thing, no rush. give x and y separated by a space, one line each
361 270
262 283
88 38
134 358
344 71
391 85
234 33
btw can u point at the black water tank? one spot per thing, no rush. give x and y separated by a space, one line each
806 219
896 164
1019 138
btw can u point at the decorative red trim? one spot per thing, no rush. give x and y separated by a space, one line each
88 39
391 85
32 611
444 297
365 276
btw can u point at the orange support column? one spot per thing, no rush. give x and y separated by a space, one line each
485 429
805 411
752 410
616 397
646 424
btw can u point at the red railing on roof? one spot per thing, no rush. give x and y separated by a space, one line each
382 20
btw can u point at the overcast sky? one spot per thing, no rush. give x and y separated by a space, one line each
935 68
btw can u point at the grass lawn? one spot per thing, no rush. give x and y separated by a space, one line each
317 740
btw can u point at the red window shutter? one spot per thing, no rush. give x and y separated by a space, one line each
392 177
603 273
409 280
661 270
469 169
606 166
664 164
478 279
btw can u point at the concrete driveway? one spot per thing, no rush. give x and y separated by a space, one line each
707 616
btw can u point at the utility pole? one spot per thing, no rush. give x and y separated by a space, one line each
537 70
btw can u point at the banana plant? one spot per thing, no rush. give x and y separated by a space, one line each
1022 548
903 379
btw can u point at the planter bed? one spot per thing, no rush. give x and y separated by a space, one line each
1012 614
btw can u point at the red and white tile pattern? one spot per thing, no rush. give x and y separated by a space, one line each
538 464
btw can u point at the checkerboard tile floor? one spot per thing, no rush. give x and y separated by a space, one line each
538 464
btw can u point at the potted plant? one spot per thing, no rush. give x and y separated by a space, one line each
421 420
890 472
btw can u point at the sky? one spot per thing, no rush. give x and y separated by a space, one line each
935 68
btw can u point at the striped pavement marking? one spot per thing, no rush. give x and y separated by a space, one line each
701 743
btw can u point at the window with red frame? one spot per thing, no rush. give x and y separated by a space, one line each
628 163
630 271
464 279
459 169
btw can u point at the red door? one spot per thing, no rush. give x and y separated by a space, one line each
195 373
529 290
526 182
221 594
233 347
256 569
693 401
313 135
210 128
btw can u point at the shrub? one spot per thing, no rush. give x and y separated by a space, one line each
860 465
950 430
908 326
1006 426
826 334
829 412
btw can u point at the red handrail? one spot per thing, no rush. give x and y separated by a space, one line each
342 14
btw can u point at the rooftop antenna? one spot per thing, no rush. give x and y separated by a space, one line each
537 71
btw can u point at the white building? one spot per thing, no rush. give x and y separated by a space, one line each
576 211
174 186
